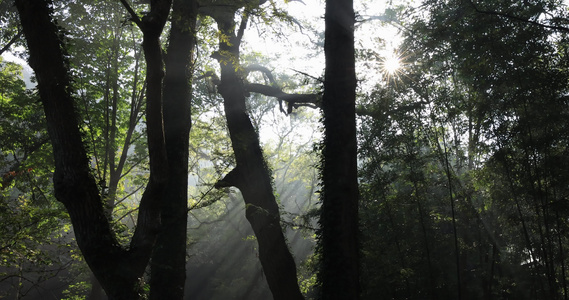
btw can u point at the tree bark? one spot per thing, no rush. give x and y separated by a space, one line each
119 270
251 174
168 272
338 241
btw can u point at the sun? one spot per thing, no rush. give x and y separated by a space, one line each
391 64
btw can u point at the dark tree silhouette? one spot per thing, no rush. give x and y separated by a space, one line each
338 241
118 269
168 272
251 174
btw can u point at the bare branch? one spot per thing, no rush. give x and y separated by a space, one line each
264 70
293 100
242 27
133 16
129 194
11 42
126 214
209 74
134 165
308 75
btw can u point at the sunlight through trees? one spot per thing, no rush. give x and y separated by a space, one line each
181 149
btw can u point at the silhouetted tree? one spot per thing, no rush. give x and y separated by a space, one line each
338 240
118 269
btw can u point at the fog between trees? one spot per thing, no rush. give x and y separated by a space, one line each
461 152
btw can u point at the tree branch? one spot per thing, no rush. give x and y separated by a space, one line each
242 27
293 100
308 75
133 16
11 42
264 70
231 179
209 74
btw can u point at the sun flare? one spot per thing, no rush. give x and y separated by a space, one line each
391 64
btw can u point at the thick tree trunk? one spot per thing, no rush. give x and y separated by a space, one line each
118 269
251 175
168 272
339 274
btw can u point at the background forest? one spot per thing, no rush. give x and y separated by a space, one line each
462 132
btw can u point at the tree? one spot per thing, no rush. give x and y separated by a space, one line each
456 172
338 236
33 237
118 269
108 67
251 174
168 272
176 128
511 86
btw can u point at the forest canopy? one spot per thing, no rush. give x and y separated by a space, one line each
183 149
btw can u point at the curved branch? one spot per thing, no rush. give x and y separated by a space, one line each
293 100
264 70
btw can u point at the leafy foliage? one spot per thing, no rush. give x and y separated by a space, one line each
458 156
35 231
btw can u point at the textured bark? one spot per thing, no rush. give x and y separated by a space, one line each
168 272
117 269
339 273
251 174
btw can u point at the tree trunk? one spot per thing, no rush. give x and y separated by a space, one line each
251 174
118 269
338 241
168 272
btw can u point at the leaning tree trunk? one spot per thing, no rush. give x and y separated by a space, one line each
168 265
119 270
251 174
339 273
